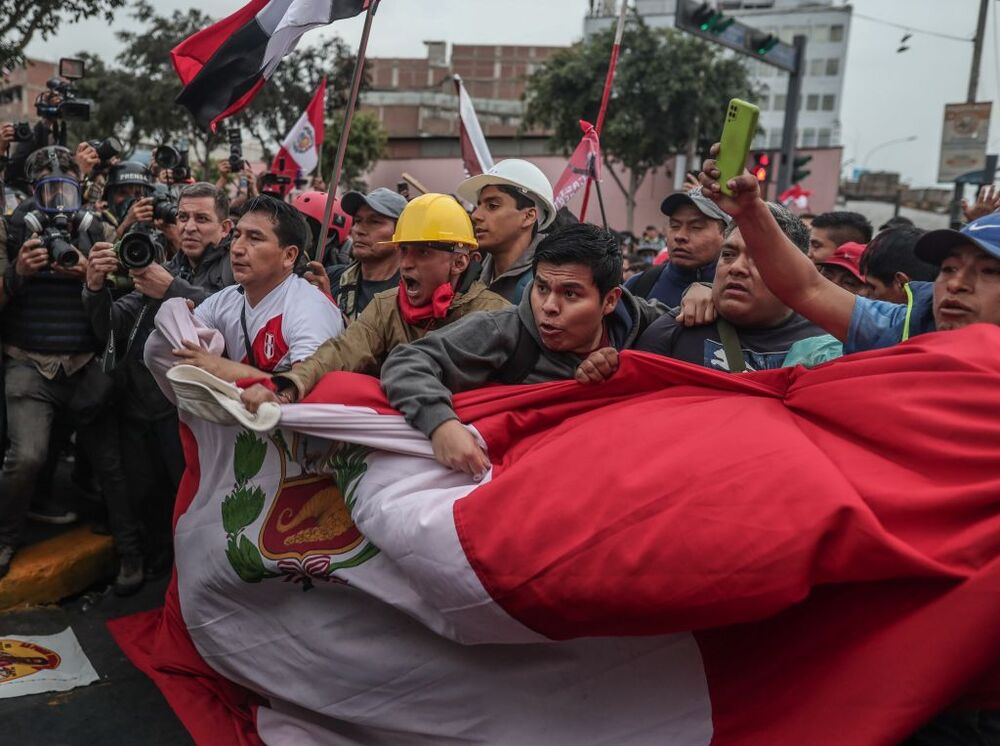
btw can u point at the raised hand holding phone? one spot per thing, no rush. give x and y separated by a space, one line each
737 136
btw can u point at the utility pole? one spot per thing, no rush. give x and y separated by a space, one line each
977 56
787 168
977 51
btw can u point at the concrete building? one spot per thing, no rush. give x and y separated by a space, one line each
20 88
825 24
416 101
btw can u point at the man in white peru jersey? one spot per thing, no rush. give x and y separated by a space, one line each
273 318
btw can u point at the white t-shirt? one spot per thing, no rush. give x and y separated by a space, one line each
285 328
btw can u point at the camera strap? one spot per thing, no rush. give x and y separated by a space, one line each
251 358
109 360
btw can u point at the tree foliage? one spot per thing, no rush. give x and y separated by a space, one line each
23 20
136 95
671 89
367 145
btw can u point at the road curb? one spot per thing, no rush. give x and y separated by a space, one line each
57 568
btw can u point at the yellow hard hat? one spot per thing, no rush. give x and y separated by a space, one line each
434 218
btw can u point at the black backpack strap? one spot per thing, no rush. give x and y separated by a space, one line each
522 362
731 345
647 280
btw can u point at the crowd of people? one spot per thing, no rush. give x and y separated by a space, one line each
434 295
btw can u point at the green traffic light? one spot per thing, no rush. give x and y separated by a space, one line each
769 44
798 174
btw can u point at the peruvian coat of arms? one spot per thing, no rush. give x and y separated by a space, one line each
308 533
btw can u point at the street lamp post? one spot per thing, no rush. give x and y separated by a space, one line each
886 144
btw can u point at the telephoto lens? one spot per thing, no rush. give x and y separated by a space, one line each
137 251
60 250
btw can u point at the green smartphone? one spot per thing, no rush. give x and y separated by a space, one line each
737 136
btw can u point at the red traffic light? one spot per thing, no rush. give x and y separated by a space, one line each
761 162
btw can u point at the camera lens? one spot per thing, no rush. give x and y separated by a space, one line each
61 251
136 251
167 157
165 210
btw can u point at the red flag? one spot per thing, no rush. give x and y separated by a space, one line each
223 66
842 584
579 167
299 152
795 196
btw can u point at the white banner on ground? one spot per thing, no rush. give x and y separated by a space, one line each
42 663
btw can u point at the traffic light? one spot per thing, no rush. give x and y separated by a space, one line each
760 168
762 42
798 174
706 17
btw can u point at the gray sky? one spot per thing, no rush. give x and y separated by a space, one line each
886 95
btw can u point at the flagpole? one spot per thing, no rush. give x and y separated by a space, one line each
338 166
597 185
609 83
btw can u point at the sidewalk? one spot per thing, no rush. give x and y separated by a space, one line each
57 562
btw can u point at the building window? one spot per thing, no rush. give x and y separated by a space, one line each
828 102
765 103
812 102
836 32
779 102
774 138
808 138
10 95
760 141
816 67
833 66
789 33
825 138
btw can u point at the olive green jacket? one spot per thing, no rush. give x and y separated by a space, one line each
380 328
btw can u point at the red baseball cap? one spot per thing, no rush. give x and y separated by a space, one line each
848 256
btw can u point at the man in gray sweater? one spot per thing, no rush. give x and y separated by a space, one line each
574 308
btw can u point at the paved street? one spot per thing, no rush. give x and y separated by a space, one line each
123 708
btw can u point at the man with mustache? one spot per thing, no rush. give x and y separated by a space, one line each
376 260
754 330
695 231
966 291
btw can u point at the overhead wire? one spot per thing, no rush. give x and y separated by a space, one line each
912 29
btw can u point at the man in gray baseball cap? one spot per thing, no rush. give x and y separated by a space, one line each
376 264
694 239
383 201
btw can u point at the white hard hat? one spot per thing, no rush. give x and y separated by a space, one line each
523 176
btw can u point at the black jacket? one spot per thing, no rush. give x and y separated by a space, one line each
43 311
130 319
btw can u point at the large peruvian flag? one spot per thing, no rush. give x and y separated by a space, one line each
585 158
677 556
223 66
301 147
476 156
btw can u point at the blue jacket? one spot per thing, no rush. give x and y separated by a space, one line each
673 281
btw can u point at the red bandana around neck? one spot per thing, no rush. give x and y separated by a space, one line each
436 309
